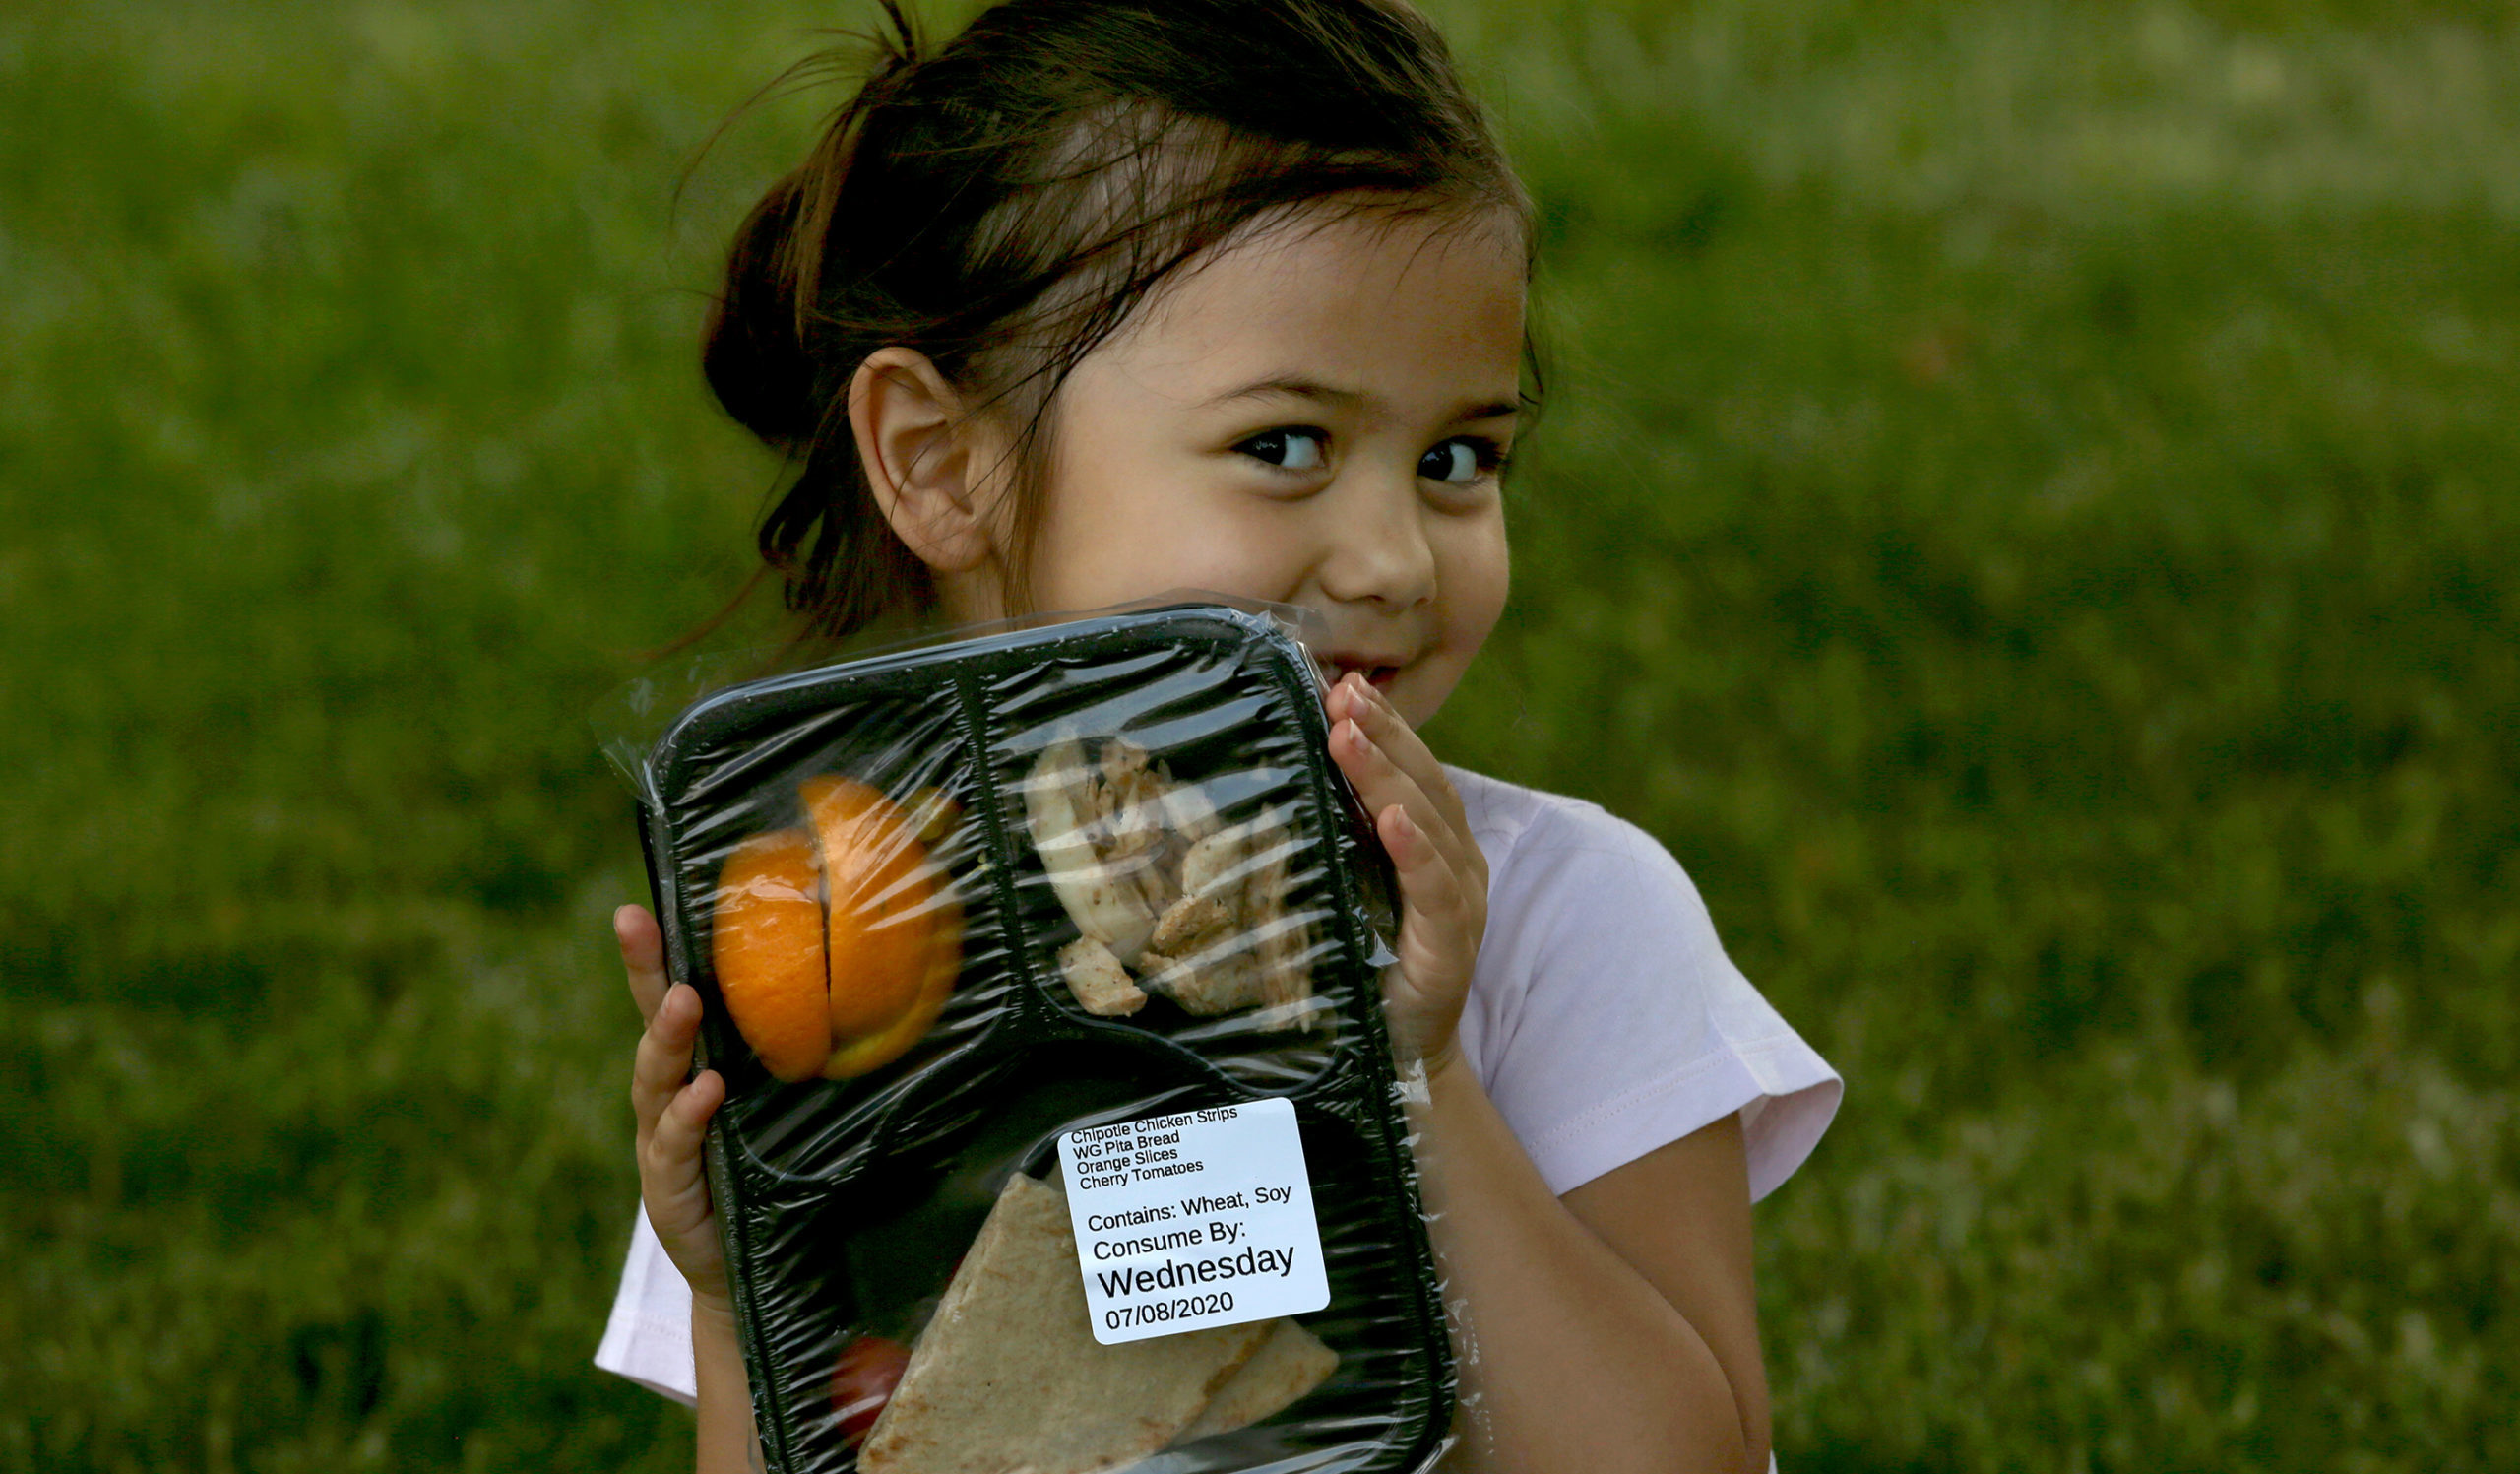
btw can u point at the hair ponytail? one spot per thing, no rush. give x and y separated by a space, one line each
753 351
1002 205
775 364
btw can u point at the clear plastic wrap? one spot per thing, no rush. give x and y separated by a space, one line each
1041 967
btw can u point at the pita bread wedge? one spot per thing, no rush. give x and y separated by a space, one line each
1008 1378
1289 1365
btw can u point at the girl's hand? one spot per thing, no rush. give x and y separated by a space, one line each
672 1110
1444 876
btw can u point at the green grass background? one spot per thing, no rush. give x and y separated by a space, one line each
2027 514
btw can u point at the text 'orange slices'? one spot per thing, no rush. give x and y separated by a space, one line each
835 944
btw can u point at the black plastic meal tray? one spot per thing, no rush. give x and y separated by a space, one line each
844 1205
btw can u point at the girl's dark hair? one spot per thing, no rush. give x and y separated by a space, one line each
1002 205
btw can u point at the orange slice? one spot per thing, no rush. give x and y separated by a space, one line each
768 946
894 927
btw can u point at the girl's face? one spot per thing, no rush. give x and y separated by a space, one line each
1316 416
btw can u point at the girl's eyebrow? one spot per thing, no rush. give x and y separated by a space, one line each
1298 386
1291 386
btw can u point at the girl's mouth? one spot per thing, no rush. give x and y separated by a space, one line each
1378 677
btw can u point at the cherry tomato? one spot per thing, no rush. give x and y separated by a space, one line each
869 1368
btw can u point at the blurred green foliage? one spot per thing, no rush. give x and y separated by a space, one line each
2026 511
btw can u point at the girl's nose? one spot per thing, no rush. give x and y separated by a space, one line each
1379 552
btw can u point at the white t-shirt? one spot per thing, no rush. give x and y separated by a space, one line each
1603 1020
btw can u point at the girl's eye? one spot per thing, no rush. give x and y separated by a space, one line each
1288 449
1460 461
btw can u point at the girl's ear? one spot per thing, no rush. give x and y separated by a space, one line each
917 445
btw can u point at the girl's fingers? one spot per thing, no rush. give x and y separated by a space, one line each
1423 784
670 1159
672 1106
1391 732
663 1061
674 1180
642 956
1443 876
1430 884
1441 921
1381 785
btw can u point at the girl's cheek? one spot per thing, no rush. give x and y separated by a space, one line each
1481 573
1160 547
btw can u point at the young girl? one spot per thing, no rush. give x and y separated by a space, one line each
1109 297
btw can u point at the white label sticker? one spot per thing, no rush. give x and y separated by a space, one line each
1189 1221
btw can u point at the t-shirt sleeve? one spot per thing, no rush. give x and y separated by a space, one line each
1616 1024
649 1337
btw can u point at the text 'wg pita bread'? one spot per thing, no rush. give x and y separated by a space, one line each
1288 1365
1008 1378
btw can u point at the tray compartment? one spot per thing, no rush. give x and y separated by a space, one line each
871 1255
1225 719
748 783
